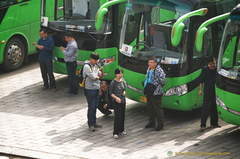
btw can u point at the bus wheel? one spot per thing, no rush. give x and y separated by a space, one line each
13 55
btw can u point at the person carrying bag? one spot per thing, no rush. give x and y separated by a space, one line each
153 89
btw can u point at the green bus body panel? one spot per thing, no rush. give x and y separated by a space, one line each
60 67
21 20
231 101
186 102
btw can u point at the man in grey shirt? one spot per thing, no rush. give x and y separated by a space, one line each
92 86
70 56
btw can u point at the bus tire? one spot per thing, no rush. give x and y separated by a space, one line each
14 55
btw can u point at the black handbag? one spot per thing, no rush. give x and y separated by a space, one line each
149 89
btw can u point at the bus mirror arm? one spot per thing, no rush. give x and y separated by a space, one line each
203 28
179 25
103 10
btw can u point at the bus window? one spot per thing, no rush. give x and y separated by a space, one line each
7 2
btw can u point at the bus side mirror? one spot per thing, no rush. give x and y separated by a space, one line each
179 25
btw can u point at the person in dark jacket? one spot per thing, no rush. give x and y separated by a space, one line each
45 47
207 78
105 100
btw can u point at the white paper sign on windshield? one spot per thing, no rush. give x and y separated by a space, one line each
127 50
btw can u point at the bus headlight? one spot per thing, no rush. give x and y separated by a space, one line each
178 90
105 61
220 103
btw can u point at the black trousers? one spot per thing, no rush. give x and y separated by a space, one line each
71 69
119 114
105 111
209 107
155 110
47 73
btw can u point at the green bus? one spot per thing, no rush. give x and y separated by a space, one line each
79 17
166 29
20 22
228 67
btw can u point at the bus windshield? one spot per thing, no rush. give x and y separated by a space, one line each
230 50
153 34
79 16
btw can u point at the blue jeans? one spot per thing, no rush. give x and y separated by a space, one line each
47 72
92 99
71 69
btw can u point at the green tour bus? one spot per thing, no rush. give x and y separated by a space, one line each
20 22
228 67
79 18
166 29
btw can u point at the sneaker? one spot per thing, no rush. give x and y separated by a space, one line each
215 126
202 129
123 133
159 128
97 126
149 126
115 136
92 128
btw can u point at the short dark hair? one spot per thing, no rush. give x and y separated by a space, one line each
211 59
153 58
43 30
104 82
94 56
118 70
69 34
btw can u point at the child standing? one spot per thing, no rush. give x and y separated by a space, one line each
117 92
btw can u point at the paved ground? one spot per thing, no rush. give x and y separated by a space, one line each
43 124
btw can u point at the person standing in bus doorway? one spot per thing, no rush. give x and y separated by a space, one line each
117 92
156 78
70 56
207 78
91 90
45 47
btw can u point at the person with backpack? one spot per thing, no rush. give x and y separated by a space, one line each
91 90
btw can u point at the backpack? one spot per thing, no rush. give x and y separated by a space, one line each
80 78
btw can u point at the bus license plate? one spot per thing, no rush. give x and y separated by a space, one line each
143 99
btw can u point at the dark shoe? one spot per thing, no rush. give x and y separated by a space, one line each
108 113
92 128
97 126
54 89
45 88
202 129
159 128
70 94
215 126
149 126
